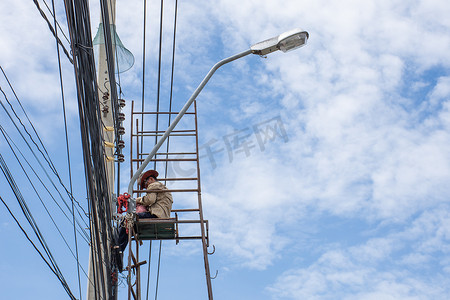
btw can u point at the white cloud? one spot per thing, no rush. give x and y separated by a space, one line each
387 267
365 105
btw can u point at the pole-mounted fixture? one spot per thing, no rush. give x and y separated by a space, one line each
285 42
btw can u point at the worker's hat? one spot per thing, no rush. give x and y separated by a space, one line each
144 176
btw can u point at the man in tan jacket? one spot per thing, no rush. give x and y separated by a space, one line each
152 205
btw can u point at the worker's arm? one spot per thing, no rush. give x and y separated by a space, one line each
150 198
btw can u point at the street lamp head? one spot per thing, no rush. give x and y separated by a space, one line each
285 42
292 40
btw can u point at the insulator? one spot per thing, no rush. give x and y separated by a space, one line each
105 96
121 103
105 109
121 116
121 157
121 130
121 144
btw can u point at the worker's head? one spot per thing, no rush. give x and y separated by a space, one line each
147 178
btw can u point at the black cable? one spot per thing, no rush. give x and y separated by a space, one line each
51 262
57 23
157 108
48 160
43 152
159 264
171 78
25 113
91 128
45 207
143 77
35 247
118 149
67 144
53 30
11 144
159 73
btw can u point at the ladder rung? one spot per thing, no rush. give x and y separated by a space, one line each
185 210
161 112
172 134
177 179
168 221
166 159
172 153
138 264
163 191
189 238
162 131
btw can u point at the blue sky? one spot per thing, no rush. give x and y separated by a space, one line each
347 199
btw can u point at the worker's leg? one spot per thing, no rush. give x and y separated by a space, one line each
123 238
146 215
123 235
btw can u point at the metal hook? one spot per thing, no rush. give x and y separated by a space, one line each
215 276
214 250
104 85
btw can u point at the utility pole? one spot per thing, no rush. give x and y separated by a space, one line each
94 290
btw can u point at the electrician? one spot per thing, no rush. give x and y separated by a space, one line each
152 205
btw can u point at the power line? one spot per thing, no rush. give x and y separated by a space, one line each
143 73
67 143
53 30
11 144
171 76
43 204
46 157
159 72
159 264
157 120
91 127
50 261
43 151
59 26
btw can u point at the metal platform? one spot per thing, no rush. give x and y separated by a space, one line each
157 229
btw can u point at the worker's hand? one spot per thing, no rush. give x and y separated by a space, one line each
139 200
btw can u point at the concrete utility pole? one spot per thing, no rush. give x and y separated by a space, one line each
94 290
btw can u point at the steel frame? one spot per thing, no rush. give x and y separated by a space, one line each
135 162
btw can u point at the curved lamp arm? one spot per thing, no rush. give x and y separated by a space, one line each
287 41
180 115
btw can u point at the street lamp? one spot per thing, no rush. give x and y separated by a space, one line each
285 42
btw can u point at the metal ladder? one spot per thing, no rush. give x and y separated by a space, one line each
185 187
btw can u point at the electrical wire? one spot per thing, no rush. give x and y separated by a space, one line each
149 264
53 30
49 259
158 91
43 151
143 75
49 214
67 143
159 264
157 120
91 127
11 143
46 157
157 115
57 23
171 78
